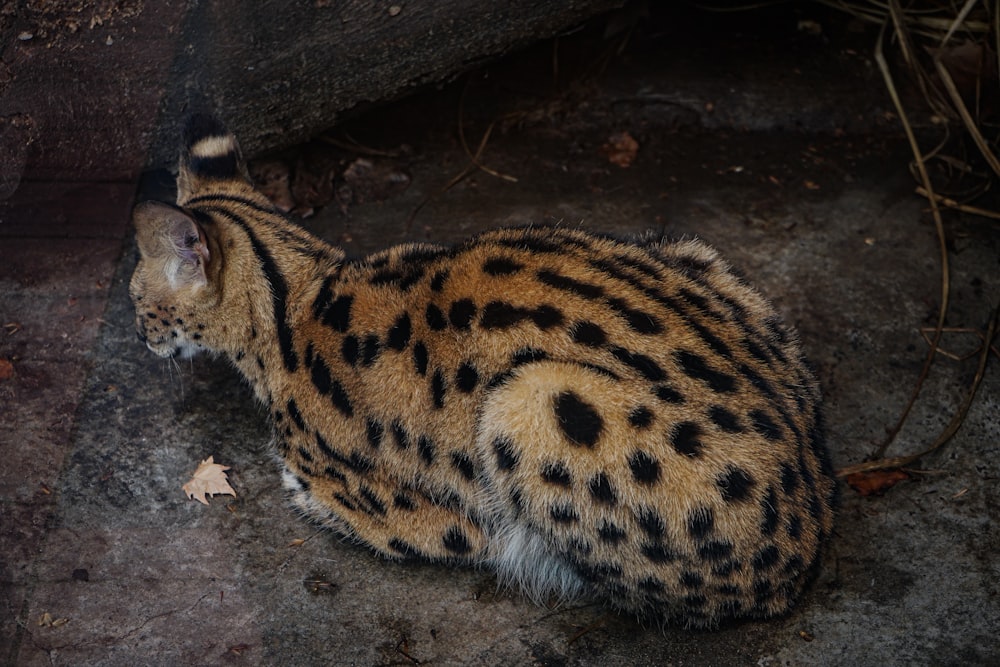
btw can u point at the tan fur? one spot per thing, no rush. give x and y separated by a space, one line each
625 421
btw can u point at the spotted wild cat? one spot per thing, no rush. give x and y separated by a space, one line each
623 421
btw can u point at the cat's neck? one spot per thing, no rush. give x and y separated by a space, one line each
270 270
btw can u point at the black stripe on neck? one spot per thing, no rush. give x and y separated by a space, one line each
279 289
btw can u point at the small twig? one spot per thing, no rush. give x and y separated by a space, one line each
964 208
479 151
938 225
355 147
979 334
956 421
603 620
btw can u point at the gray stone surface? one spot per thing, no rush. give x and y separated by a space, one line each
96 530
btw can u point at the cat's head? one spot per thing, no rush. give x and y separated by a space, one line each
178 283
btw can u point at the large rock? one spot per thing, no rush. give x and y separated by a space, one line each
97 90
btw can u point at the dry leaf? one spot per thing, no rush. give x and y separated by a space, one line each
6 369
876 482
209 479
621 149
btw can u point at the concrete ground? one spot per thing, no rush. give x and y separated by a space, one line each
783 163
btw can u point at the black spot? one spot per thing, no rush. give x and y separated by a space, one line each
588 333
686 439
789 479
725 419
507 456
766 558
730 589
374 502
498 380
501 315
651 522
404 502
637 320
727 567
658 552
369 350
516 499
531 243
425 446
399 435
463 464
610 533
435 318
527 355
455 541
734 484
696 367
333 473
645 468
404 549
438 388
691 579
546 317
769 512
668 394
346 502
578 547
695 601
758 382
340 399
563 513
578 420
461 313
711 339
322 297
794 565
437 281
692 267
501 266
763 424
640 417
305 455
293 412
466 377
814 507
385 276
763 590
421 254
420 358
374 432
715 551
338 314
601 490
651 585
320 375
567 284
700 522
794 527
557 473
648 368
358 462
399 334
350 349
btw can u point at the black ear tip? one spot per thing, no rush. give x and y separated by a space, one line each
200 126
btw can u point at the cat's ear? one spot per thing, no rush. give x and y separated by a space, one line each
171 239
209 153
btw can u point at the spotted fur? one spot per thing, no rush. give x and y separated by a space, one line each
626 421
